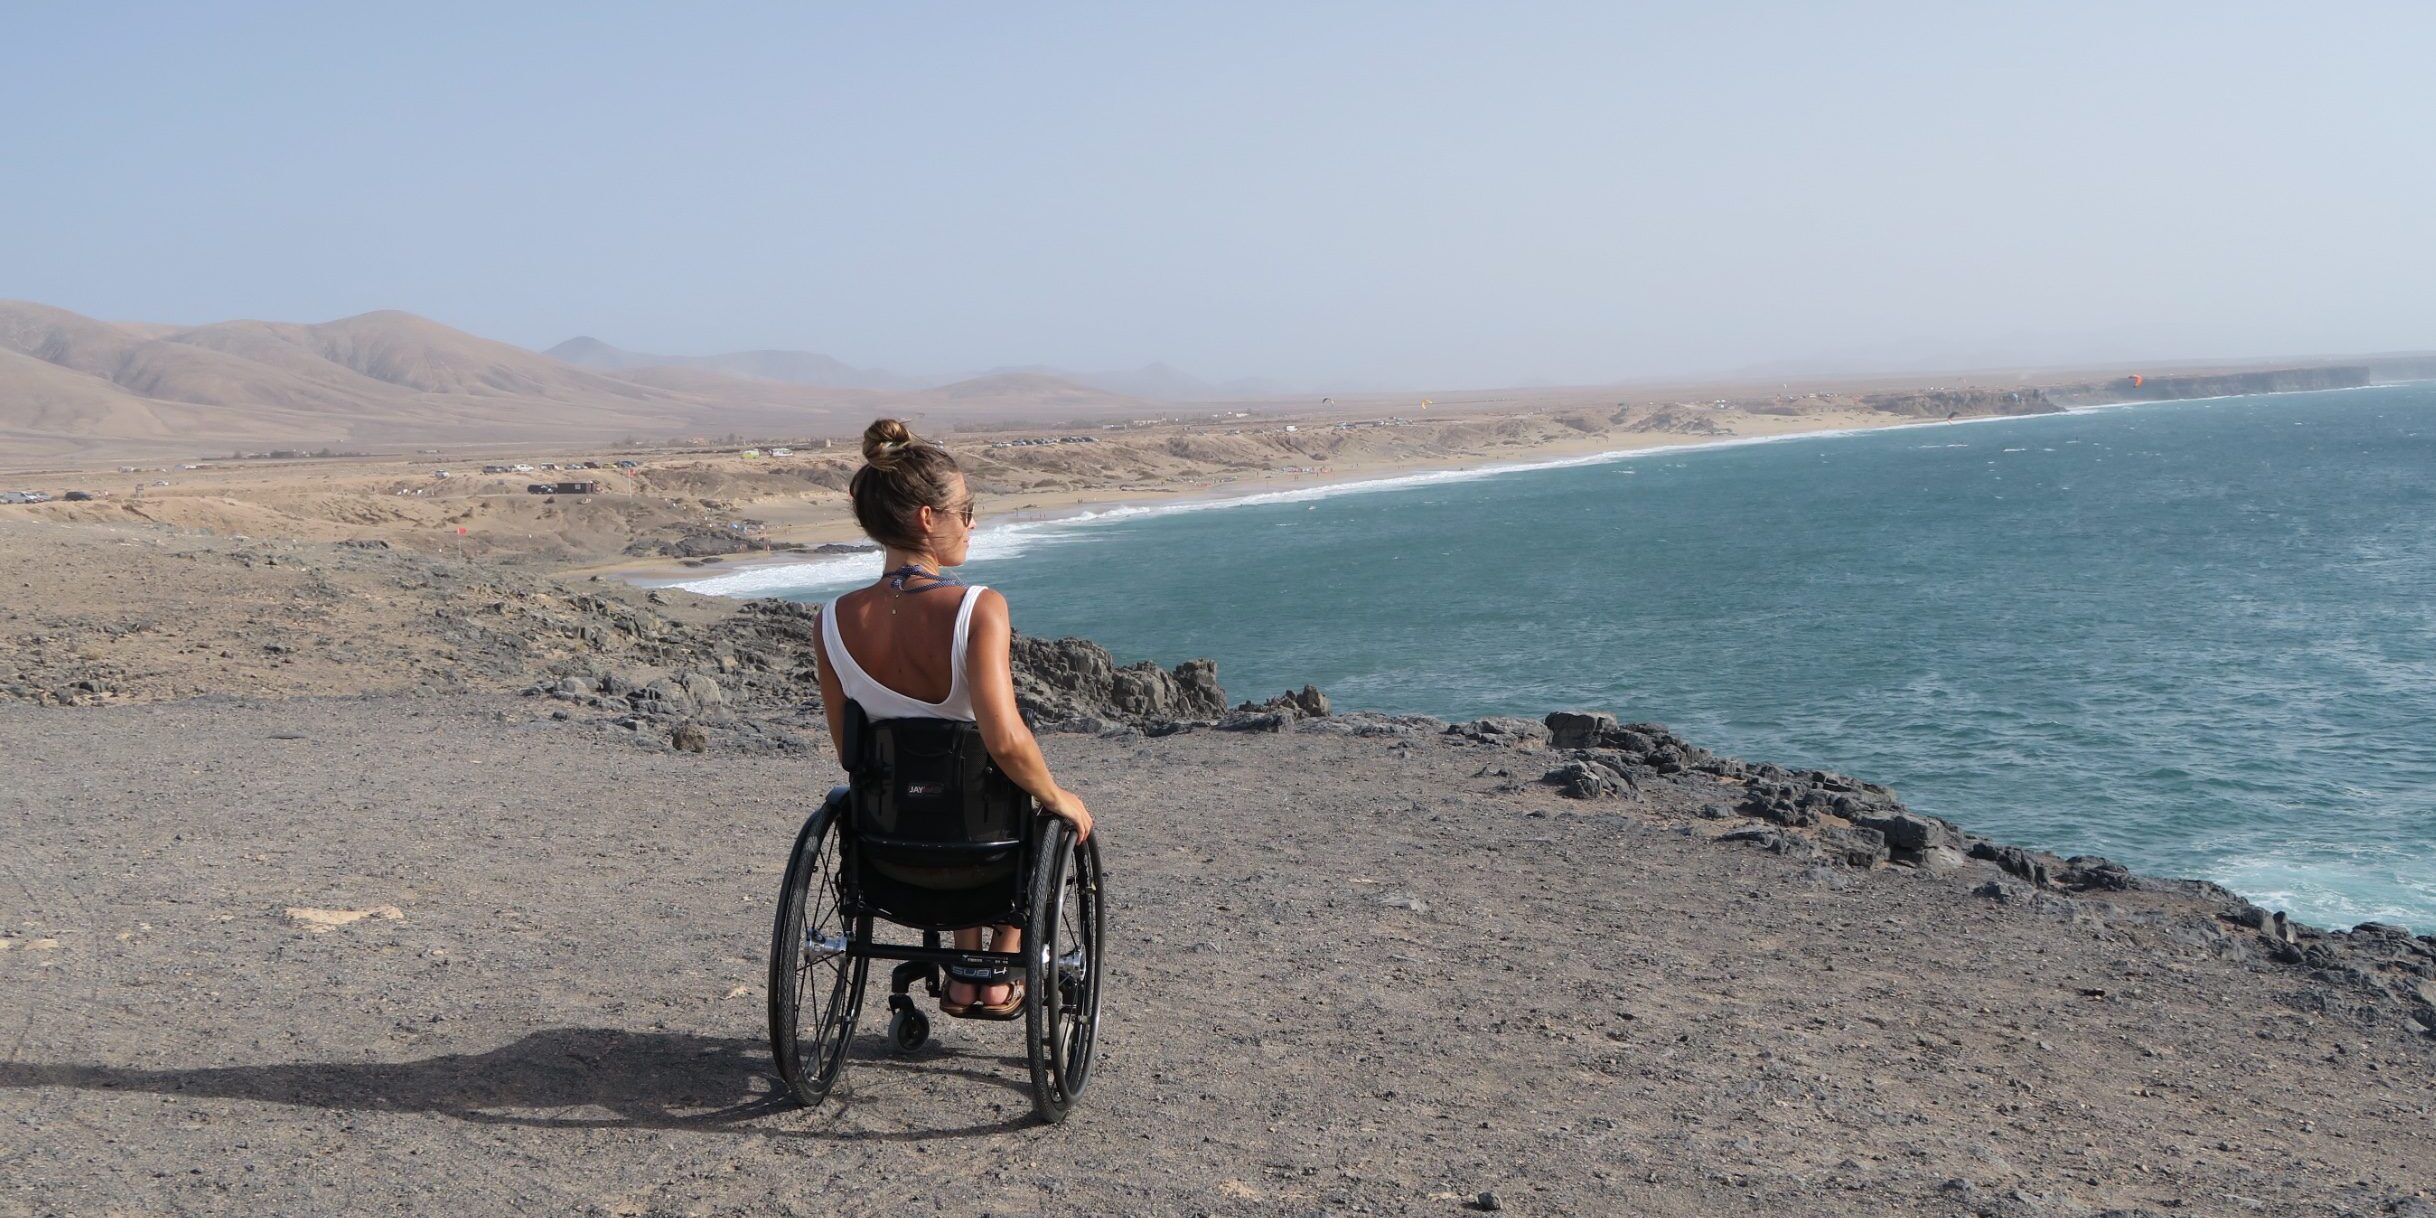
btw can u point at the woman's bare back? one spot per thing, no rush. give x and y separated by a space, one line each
907 650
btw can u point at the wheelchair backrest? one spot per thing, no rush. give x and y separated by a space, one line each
927 788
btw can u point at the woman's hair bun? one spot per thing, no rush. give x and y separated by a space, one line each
901 476
884 440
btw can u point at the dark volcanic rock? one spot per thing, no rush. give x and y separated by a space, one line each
1854 847
1579 729
2087 871
1064 679
1505 731
1908 831
1648 745
1783 803
1582 780
1308 702
1774 841
1241 720
1274 714
2015 861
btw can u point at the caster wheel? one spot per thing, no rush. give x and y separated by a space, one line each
908 1030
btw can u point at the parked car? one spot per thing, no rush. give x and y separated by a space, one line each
630 465
78 496
538 488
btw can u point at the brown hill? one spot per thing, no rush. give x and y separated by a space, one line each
74 386
1029 395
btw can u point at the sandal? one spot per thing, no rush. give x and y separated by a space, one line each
977 978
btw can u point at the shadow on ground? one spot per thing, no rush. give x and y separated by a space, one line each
567 1078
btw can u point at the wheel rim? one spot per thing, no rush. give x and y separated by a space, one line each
1071 959
824 982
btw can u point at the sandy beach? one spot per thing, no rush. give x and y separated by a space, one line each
675 512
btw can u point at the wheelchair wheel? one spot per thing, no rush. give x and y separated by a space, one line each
908 1030
816 984
1063 969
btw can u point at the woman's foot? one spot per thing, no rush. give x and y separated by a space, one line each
964 994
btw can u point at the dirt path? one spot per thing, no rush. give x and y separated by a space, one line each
1349 977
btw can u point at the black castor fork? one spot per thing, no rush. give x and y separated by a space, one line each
908 1026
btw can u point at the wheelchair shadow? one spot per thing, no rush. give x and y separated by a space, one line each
562 1078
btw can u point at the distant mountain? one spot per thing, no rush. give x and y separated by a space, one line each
1034 390
795 367
1156 381
1162 382
71 385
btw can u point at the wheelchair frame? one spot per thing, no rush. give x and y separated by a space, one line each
1056 888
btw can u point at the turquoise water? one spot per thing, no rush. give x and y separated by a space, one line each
2199 638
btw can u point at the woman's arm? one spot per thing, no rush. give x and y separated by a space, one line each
989 676
832 694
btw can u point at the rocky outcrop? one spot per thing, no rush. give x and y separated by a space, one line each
764 655
1075 685
2368 973
1276 714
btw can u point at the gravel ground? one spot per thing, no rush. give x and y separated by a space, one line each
1348 976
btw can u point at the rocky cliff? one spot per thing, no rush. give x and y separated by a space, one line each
1969 403
2177 388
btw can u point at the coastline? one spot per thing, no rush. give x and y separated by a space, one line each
745 575
1351 478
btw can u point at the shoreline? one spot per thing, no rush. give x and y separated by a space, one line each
1085 509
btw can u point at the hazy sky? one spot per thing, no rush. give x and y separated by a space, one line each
1339 193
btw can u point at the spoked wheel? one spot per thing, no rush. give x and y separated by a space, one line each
816 987
1062 969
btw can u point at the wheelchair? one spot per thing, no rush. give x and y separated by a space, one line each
928 835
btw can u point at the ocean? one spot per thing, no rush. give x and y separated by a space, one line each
2198 637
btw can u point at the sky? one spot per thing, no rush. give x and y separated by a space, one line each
1340 194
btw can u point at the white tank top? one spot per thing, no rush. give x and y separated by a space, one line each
881 702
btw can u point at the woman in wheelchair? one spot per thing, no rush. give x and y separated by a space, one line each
922 644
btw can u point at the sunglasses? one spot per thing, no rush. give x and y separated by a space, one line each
964 513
